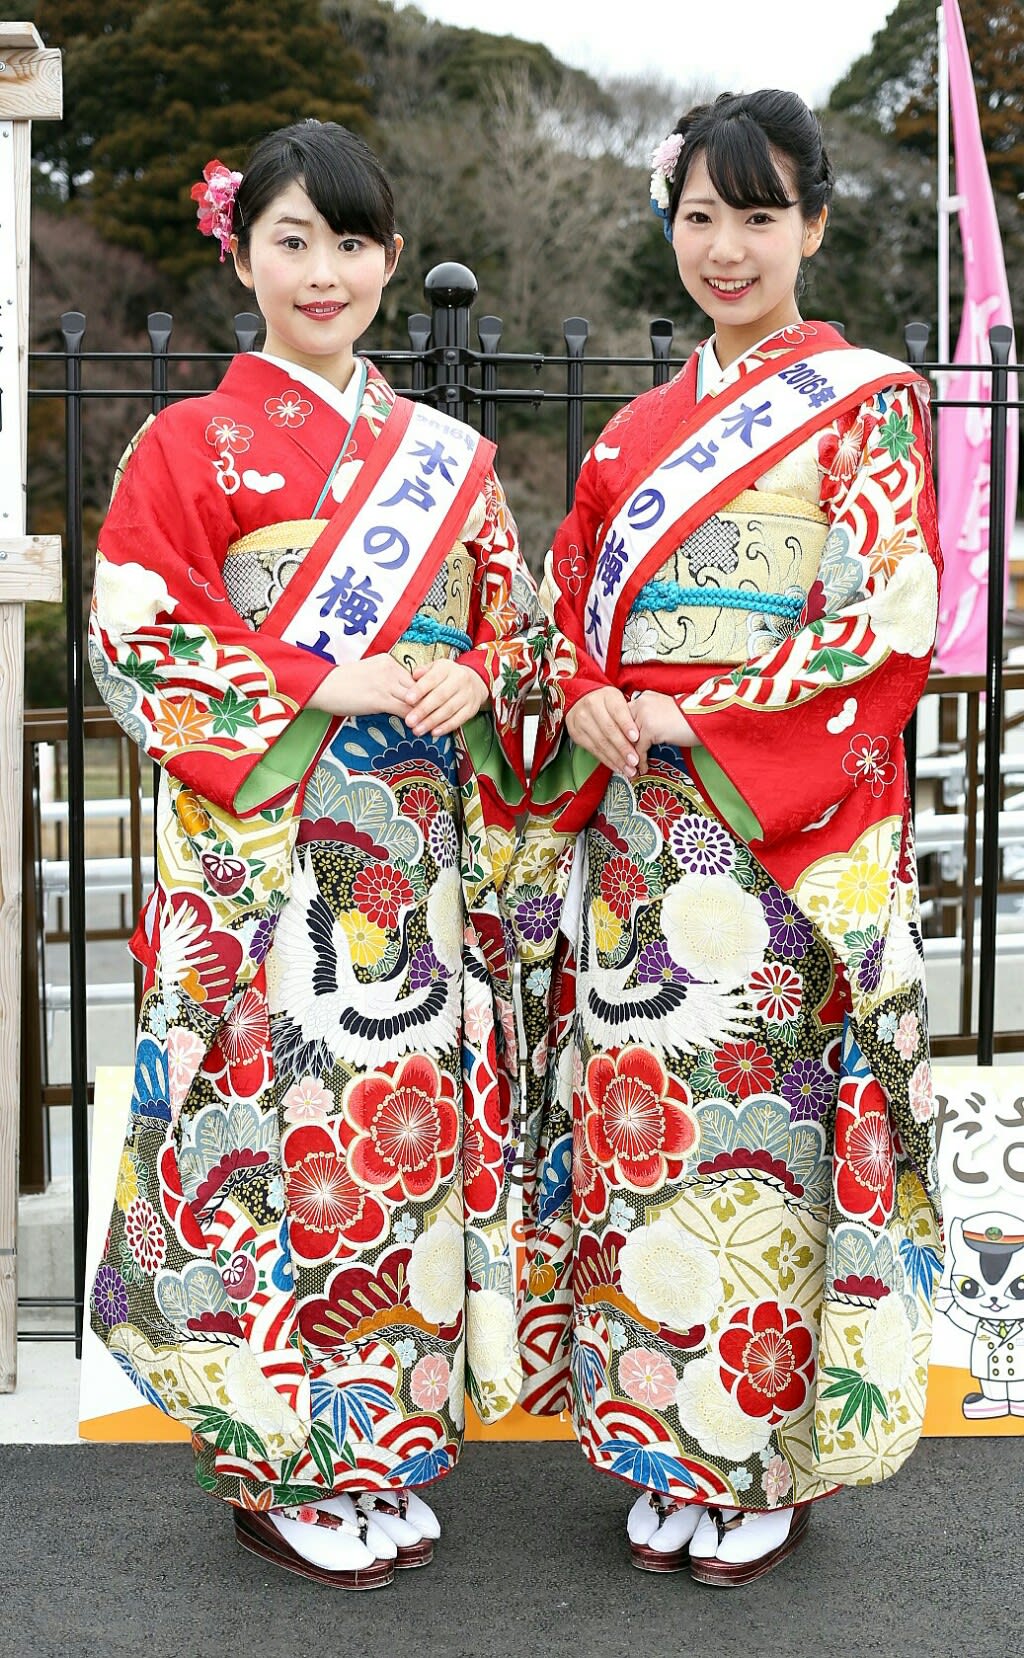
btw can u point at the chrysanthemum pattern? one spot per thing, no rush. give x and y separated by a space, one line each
314 1191
701 1182
772 970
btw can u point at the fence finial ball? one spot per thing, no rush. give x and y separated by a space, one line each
451 284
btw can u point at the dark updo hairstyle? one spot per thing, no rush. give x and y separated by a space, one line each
736 136
339 173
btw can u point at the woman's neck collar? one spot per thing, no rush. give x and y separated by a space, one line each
732 349
338 397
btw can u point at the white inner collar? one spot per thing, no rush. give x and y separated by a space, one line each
343 402
710 371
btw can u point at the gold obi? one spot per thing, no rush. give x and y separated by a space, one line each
760 543
258 567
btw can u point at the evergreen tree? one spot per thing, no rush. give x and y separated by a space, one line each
148 104
892 87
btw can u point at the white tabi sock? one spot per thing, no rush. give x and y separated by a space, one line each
758 1535
422 1516
754 1537
403 1533
377 1539
704 1542
331 1548
646 1527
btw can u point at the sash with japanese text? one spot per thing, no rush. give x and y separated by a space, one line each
365 576
729 441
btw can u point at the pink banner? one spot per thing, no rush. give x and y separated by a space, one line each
965 434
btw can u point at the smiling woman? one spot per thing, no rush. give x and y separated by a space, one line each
313 235
734 1044
311 611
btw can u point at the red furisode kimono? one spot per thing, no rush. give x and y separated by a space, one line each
731 1214
315 1164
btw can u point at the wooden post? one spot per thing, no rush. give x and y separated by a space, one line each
30 568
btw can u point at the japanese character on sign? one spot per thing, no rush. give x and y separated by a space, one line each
353 603
611 563
645 509
980 1137
744 419
434 459
594 620
699 455
1013 1152
383 538
415 490
319 649
949 1119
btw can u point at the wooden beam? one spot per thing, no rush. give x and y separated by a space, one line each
20 37
30 568
12 646
31 88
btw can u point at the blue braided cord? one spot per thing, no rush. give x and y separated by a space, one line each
425 630
668 595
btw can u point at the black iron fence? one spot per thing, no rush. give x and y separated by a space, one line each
963 805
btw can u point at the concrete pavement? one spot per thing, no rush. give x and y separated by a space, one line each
114 1552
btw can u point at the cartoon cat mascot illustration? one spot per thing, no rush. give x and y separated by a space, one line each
985 1297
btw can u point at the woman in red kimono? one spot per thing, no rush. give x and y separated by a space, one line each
719 879
311 611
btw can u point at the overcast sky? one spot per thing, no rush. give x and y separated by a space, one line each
802 45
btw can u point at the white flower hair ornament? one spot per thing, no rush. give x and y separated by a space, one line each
664 161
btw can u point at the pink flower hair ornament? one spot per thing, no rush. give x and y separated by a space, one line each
664 161
215 198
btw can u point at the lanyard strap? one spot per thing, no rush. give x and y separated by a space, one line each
360 388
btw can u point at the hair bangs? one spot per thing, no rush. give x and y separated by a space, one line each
346 193
741 166
339 172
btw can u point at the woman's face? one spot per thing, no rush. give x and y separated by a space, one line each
740 264
318 291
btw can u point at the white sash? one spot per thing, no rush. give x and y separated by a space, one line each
376 560
735 438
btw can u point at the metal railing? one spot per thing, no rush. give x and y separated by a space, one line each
489 387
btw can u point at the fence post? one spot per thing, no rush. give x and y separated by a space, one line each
72 327
1000 340
419 339
34 1140
488 331
661 333
451 290
575 332
247 329
30 89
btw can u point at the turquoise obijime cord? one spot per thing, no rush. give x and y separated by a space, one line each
669 595
424 630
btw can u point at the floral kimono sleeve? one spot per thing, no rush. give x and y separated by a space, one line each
508 632
567 780
836 696
192 683
572 671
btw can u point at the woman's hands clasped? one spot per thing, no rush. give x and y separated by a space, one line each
620 733
437 697
447 695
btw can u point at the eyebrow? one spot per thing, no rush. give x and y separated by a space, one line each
698 201
286 219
